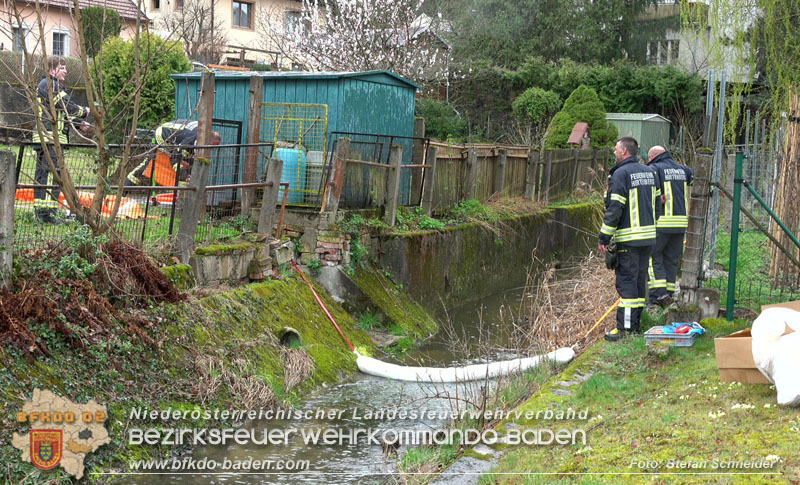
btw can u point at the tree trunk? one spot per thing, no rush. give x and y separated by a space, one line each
787 208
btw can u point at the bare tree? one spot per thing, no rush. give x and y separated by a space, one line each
100 105
192 25
358 35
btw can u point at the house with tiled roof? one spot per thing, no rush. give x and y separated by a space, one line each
238 23
60 31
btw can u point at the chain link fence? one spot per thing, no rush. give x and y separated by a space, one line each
147 214
753 284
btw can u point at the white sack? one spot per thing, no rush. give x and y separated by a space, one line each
777 356
375 367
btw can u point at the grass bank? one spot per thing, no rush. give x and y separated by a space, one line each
223 351
645 410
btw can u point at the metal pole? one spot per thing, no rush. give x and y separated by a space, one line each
710 88
716 175
737 192
756 149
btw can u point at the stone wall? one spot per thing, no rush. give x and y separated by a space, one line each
471 261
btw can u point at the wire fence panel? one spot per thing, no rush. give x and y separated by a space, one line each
753 286
299 134
146 214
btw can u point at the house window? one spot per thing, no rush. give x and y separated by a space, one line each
243 15
179 4
663 52
293 22
156 4
60 43
18 41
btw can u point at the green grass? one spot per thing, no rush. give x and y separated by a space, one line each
644 407
754 287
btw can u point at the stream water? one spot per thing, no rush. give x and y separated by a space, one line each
357 403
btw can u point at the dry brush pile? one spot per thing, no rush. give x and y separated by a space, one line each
84 294
561 305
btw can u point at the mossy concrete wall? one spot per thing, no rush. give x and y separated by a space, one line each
246 323
474 260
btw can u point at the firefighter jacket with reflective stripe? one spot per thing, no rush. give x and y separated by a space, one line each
630 204
182 133
66 110
675 181
170 136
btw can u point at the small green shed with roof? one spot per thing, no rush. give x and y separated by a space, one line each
648 129
313 105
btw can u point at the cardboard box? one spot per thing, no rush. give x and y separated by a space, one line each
735 359
735 353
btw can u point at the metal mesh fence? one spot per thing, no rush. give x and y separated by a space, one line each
753 284
149 214
298 132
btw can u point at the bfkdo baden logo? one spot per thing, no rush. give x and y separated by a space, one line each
61 432
46 447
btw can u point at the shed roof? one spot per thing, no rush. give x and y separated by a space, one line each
578 131
636 117
283 75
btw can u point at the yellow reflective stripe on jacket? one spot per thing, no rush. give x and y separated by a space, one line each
673 221
635 233
607 230
619 198
670 208
633 207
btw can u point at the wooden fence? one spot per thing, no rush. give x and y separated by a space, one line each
481 171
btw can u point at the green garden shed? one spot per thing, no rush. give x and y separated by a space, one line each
312 108
648 129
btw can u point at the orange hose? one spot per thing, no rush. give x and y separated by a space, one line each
324 308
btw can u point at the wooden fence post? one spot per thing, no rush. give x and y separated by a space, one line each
500 170
576 152
253 136
417 158
195 201
548 169
531 172
430 180
8 185
692 262
393 184
471 175
270 198
339 167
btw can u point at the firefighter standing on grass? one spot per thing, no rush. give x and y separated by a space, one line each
630 219
671 226
51 88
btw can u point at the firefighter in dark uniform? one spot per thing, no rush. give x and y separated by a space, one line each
66 113
630 219
673 219
181 136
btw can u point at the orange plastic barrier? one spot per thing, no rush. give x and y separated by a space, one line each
128 208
